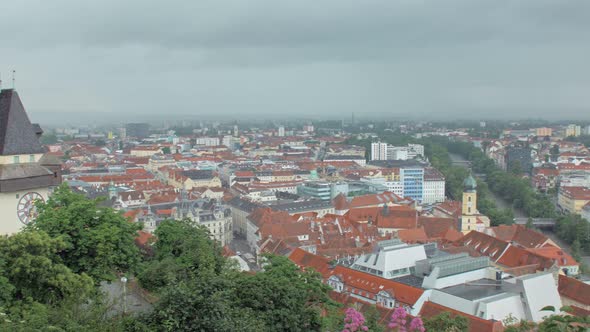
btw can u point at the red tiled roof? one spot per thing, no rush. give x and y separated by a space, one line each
437 228
451 208
577 193
304 259
166 212
518 257
523 236
574 289
416 235
476 324
244 174
556 254
372 285
340 202
485 244
375 200
397 217
143 238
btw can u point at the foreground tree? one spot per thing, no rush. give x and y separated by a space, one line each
444 322
285 297
399 322
31 270
98 241
201 291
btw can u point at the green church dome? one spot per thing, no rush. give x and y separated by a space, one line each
469 183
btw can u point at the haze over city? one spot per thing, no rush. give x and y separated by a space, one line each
115 60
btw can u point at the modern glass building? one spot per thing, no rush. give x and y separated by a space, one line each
318 190
413 180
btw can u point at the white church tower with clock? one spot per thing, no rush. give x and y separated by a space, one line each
26 176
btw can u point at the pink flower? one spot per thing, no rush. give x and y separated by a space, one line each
354 321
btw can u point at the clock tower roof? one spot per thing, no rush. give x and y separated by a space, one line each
17 134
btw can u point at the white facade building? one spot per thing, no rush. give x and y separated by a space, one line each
207 141
434 186
281 132
416 149
394 259
397 153
518 297
383 151
378 151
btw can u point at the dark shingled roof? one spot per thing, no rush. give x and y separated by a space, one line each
17 134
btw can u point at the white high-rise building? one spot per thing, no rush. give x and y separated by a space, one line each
281 131
397 152
418 149
378 151
207 141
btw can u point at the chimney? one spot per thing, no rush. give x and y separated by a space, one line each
498 280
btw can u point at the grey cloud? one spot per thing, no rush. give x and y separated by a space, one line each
519 58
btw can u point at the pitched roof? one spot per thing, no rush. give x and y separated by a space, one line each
556 254
436 227
305 259
523 236
476 324
415 235
372 284
519 257
484 244
375 200
340 202
574 289
397 217
17 134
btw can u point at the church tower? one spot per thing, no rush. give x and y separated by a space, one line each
26 174
469 213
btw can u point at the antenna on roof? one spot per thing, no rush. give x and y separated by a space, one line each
13 73
0 81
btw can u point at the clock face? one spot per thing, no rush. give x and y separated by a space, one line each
26 210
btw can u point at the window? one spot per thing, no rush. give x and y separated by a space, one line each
469 210
469 199
31 158
16 159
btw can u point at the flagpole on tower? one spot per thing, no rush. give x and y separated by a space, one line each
13 79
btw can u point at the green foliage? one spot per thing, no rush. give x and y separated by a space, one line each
565 323
166 150
68 315
576 250
33 268
372 318
200 291
97 240
438 155
285 297
201 305
444 322
573 229
520 326
183 251
510 187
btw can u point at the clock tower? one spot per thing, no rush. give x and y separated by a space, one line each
469 215
26 176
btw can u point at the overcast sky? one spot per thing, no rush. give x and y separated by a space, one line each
526 58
